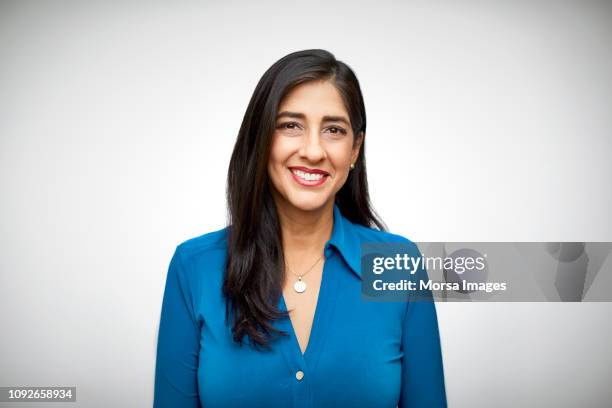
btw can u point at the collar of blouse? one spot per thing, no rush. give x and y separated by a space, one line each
345 239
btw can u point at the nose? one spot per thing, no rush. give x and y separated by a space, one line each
312 149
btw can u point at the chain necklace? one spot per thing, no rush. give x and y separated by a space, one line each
300 286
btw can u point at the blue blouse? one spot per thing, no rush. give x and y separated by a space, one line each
359 353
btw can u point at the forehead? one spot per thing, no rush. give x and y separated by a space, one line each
314 98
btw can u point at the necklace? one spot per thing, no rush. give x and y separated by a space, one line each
300 286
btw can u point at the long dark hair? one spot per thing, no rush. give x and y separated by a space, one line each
254 268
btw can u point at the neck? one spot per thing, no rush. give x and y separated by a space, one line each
304 233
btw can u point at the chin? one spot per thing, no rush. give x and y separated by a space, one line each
308 204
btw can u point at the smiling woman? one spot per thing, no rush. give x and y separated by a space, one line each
306 134
267 312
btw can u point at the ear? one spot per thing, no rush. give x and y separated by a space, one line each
357 146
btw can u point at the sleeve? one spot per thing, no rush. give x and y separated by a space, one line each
422 367
178 342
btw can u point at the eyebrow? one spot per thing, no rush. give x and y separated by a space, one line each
326 118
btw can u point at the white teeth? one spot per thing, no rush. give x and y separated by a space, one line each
307 176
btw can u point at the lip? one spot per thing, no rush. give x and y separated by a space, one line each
309 183
307 170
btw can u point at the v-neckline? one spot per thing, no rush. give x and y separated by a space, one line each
320 321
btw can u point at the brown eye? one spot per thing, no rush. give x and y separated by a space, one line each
288 126
336 130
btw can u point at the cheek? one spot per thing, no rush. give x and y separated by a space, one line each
280 152
276 153
282 148
340 156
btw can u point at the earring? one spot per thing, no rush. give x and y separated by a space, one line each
352 166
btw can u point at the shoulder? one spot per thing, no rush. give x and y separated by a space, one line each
196 268
368 234
372 235
206 246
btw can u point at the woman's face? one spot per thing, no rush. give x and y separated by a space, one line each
312 147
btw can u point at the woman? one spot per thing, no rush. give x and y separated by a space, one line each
299 209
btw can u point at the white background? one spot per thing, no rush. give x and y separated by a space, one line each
487 121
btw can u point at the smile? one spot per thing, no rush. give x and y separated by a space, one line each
308 177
